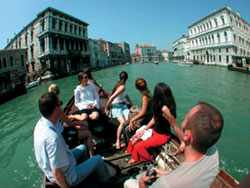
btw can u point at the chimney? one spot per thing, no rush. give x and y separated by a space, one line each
238 13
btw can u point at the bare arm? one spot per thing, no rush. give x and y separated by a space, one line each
142 112
171 119
60 178
114 95
98 85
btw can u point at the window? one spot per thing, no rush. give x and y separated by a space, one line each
218 37
31 35
222 20
219 50
226 50
42 45
20 44
22 61
215 21
66 27
53 23
4 63
225 34
26 39
11 61
219 58
59 25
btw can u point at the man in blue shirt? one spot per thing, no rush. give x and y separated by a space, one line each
53 155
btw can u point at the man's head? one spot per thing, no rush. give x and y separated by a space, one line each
47 104
205 123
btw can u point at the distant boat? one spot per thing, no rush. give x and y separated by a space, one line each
156 62
32 84
48 76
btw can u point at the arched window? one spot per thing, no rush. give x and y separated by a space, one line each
225 34
216 23
11 61
218 37
222 20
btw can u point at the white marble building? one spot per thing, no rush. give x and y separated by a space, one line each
220 38
181 49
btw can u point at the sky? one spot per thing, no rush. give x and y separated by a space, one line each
153 22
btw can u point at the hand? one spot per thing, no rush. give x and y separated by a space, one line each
90 107
167 114
145 179
181 147
71 117
160 172
140 133
131 126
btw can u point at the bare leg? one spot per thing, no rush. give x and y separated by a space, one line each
85 137
119 130
94 115
80 117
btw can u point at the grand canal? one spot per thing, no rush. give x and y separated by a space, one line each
228 91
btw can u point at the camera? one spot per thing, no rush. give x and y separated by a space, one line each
151 172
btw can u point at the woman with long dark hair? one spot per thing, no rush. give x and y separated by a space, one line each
162 102
117 105
145 114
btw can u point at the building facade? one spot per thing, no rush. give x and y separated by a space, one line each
12 73
114 52
126 51
148 53
54 40
98 58
181 49
221 38
167 55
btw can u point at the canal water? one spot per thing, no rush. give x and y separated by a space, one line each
228 91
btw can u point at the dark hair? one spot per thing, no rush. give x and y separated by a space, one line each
141 84
123 78
88 73
80 76
206 126
47 103
162 96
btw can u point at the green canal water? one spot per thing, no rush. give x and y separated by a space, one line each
228 91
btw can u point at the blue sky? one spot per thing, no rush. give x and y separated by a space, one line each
154 22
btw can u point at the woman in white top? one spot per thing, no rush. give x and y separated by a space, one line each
119 108
86 99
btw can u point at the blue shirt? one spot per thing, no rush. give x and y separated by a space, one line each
52 152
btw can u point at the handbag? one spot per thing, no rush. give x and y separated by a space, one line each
134 111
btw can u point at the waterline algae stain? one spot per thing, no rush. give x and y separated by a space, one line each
228 91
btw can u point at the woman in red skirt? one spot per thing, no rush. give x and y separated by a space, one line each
162 102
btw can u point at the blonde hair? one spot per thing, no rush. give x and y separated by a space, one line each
54 89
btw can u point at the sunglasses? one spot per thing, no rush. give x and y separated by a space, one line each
85 77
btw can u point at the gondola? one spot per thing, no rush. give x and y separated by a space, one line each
104 132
